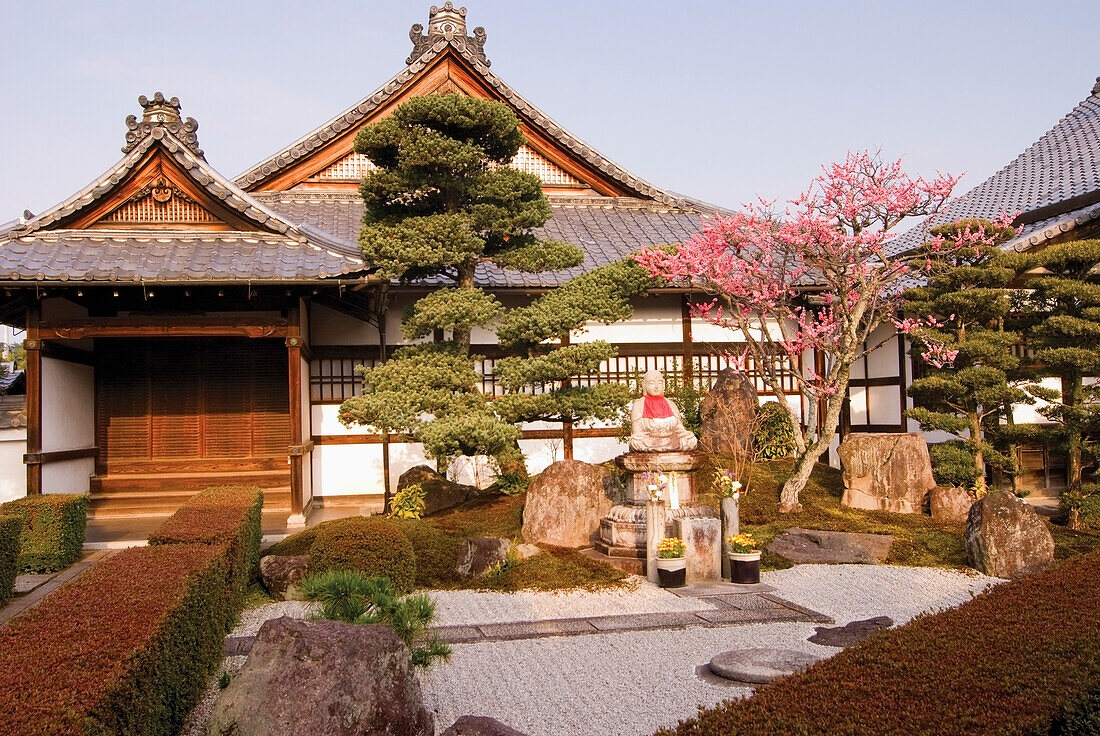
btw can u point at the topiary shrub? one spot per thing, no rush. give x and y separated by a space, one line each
436 552
11 527
221 515
53 530
953 464
372 546
409 502
774 435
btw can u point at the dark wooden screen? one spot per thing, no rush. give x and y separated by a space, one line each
166 402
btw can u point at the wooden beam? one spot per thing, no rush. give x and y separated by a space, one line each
33 346
162 327
57 456
296 451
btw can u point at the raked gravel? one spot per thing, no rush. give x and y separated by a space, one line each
631 683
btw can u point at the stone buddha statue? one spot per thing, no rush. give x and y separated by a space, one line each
656 425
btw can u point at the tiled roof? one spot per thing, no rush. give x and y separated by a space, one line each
472 51
1054 178
606 229
150 256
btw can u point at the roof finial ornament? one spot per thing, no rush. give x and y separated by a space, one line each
1096 87
448 24
161 113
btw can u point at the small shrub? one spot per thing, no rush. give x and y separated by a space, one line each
409 502
774 435
53 530
223 680
11 527
953 464
227 515
372 546
352 597
126 648
436 552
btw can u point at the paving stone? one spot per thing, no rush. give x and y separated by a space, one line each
730 616
533 629
700 590
27 583
748 602
759 665
459 634
851 633
645 621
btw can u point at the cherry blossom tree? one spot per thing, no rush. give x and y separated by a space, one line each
817 278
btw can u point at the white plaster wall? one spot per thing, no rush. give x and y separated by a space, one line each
345 470
69 476
656 319
13 473
68 405
329 327
307 433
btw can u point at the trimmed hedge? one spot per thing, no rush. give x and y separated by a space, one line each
126 648
53 530
1022 658
11 527
372 546
229 515
436 552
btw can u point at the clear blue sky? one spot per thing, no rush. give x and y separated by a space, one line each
719 100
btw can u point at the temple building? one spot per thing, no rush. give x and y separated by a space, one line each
185 329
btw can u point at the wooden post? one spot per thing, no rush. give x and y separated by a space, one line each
33 345
731 525
567 424
689 347
295 452
654 533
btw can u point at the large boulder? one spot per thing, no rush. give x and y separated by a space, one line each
440 493
282 575
480 726
481 554
727 414
887 472
1005 538
809 546
323 677
566 501
949 503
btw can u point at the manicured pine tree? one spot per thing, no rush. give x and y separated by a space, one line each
1059 307
443 201
543 386
963 308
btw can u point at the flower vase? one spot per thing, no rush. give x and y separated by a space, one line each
745 567
671 571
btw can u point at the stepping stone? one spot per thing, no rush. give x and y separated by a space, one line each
810 546
758 666
851 633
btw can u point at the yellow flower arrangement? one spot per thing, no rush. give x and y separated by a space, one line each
741 543
670 548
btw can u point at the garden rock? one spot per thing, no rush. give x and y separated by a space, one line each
887 472
480 726
566 502
809 546
759 665
440 493
949 503
527 551
703 547
1005 538
851 633
323 677
480 554
727 414
282 574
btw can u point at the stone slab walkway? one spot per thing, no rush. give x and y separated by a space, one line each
30 590
720 604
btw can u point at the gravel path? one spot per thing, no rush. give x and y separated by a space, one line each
630 684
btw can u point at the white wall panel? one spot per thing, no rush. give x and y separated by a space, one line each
13 473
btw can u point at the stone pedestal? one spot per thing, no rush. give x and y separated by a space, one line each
703 538
731 526
622 535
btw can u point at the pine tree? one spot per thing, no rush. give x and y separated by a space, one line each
544 385
1060 310
964 306
441 202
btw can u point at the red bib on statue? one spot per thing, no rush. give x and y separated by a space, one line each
657 407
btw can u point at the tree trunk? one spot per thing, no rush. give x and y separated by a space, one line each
979 455
804 461
1071 396
465 281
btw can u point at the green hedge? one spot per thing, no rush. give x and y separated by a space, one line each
1022 658
11 528
126 648
53 530
228 515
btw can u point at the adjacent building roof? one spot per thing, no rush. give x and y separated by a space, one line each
270 248
1051 188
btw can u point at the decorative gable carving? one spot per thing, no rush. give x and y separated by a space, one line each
447 24
355 166
160 202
